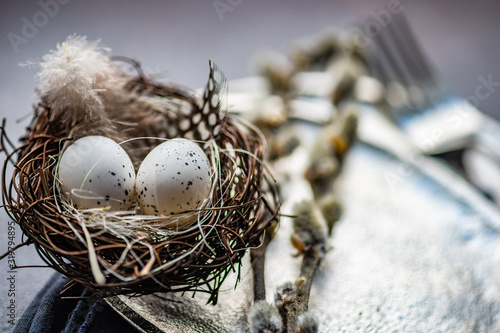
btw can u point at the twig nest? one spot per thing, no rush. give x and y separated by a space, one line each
138 251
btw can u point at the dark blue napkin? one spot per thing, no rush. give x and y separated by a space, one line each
49 313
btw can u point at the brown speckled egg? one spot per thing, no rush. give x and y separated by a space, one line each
174 177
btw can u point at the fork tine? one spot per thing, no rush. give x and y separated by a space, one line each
398 42
377 69
401 59
394 66
417 83
414 54
414 51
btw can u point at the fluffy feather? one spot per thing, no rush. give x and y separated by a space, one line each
88 95
72 77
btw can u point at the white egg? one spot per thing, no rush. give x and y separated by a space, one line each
95 171
174 177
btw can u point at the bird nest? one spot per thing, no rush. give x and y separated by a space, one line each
128 253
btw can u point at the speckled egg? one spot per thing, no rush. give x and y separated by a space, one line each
94 172
174 177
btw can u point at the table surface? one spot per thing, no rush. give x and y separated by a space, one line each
178 38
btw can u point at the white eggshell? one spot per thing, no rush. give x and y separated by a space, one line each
174 177
95 171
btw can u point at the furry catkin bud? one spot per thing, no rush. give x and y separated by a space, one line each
322 166
284 293
307 323
309 226
283 144
349 124
278 70
331 208
346 71
264 318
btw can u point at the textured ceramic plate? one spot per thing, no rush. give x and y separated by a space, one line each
417 250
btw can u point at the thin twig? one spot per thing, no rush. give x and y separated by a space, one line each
310 238
12 249
300 303
33 266
258 258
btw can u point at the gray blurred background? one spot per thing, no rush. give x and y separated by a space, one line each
177 38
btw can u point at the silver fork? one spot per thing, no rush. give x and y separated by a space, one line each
436 120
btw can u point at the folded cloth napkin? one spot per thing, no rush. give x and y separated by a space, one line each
49 313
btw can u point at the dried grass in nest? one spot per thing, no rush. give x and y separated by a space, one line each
147 260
